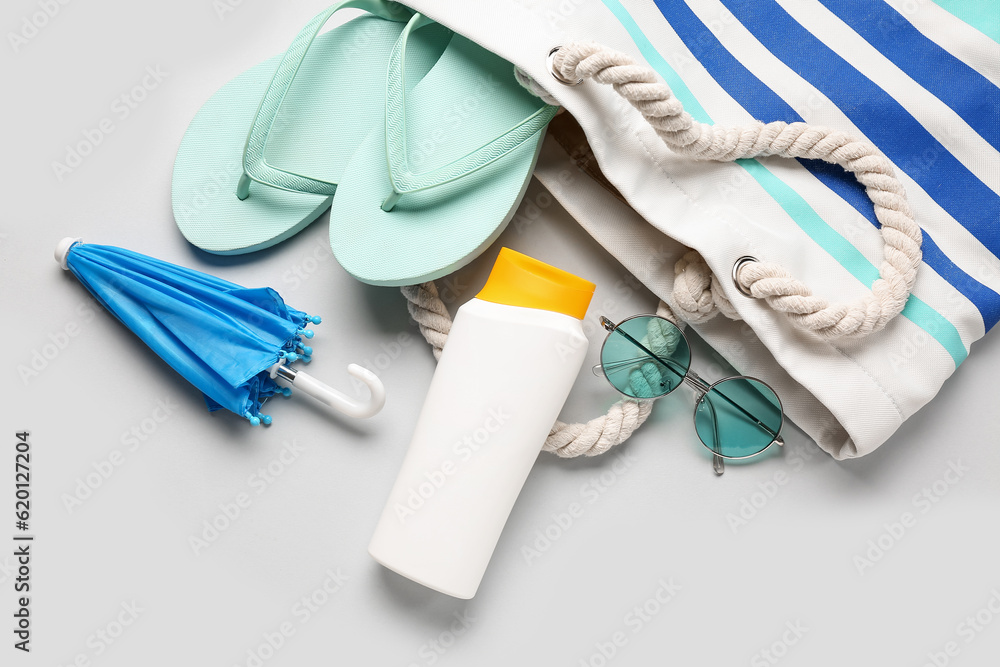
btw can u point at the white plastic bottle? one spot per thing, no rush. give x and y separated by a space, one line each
512 356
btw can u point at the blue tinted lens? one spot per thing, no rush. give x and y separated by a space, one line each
645 357
738 417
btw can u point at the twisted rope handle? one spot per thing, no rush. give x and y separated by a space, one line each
641 87
566 440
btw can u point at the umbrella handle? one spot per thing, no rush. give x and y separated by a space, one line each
333 398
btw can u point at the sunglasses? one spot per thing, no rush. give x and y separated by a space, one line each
646 357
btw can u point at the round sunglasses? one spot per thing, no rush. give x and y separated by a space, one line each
646 357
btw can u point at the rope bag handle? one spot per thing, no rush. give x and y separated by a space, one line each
697 291
641 87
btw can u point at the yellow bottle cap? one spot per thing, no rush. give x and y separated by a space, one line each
519 280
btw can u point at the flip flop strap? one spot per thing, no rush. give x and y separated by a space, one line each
402 178
255 167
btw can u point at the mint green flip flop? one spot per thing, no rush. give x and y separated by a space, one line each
434 185
262 158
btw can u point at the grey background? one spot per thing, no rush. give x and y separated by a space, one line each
659 515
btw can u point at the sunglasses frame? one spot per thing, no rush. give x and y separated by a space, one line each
700 387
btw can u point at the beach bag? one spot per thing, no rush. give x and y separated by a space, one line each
855 313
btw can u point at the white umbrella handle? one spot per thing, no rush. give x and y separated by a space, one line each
333 398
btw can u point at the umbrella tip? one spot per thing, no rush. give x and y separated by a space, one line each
315 319
266 419
62 250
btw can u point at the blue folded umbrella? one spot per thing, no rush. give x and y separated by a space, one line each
230 342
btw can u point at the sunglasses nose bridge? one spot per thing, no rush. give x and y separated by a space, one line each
695 382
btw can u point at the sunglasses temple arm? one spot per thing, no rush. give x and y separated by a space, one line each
718 464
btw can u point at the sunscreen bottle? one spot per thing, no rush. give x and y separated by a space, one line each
513 353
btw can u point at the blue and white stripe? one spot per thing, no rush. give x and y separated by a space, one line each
872 71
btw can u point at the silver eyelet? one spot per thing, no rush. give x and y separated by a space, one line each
551 62
737 267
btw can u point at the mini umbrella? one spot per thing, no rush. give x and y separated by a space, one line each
230 342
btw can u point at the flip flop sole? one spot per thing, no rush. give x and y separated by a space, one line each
209 164
467 99
338 93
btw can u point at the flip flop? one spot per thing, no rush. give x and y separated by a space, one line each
235 192
433 185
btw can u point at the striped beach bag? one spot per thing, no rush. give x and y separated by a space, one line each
813 185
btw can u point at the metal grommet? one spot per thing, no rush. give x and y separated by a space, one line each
737 267
551 62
